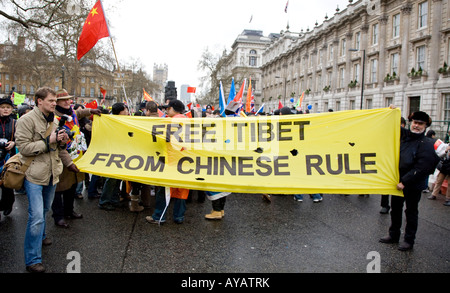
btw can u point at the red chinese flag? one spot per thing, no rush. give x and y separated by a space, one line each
191 90
280 105
103 91
92 105
94 29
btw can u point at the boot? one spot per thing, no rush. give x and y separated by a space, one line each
134 204
215 215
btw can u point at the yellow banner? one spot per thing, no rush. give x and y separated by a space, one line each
348 152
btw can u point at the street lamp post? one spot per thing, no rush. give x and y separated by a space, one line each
285 88
363 73
63 84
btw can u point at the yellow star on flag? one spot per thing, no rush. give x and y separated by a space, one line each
94 11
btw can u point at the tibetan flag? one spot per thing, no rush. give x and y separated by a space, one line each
191 90
147 97
232 92
248 107
94 29
222 103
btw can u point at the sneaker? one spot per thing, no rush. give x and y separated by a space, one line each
384 210
298 197
447 203
150 220
317 198
106 207
431 197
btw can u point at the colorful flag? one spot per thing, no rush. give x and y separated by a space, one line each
240 94
248 107
18 99
300 101
103 91
232 92
94 29
92 105
147 97
280 105
287 5
191 90
222 104
261 109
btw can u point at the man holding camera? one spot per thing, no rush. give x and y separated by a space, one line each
7 150
62 206
36 138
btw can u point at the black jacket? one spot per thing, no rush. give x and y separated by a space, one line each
8 130
418 159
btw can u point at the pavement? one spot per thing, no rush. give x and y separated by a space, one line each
338 235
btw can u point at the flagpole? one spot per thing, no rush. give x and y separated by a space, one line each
114 50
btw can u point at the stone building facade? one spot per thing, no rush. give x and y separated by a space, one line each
388 51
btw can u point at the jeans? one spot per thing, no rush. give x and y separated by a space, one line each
92 189
314 196
39 202
110 194
179 207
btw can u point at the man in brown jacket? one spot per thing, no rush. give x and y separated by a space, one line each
62 206
36 138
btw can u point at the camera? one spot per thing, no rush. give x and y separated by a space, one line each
62 122
3 151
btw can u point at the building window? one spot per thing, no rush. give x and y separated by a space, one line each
352 105
375 34
253 52
356 71
83 80
369 104
6 76
343 47
423 14
396 26
341 77
31 90
357 40
447 107
394 63
389 101
24 89
92 93
374 70
252 61
83 92
56 88
421 57
338 106
331 53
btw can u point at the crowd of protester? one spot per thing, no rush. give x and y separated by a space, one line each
55 182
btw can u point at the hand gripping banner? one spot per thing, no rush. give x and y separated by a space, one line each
348 152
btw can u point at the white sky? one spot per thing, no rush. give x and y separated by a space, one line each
176 32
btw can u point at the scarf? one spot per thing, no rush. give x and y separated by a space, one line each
68 112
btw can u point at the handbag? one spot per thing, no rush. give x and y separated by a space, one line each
13 173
